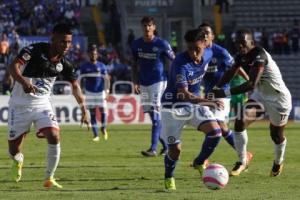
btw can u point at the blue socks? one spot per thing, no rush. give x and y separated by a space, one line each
212 139
94 122
169 166
228 136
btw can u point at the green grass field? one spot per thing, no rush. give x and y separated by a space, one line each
115 169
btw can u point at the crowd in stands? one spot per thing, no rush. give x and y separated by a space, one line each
37 17
278 42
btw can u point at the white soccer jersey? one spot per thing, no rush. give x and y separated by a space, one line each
271 82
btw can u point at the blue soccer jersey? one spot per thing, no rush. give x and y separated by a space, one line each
150 58
220 63
185 73
95 83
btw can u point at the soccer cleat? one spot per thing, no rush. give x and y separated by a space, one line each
149 153
96 139
239 167
51 183
105 134
170 184
16 171
163 152
276 169
201 167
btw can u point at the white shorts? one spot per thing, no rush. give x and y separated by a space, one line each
93 99
174 119
20 119
222 115
277 107
151 95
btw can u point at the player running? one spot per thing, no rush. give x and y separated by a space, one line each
270 94
149 77
96 87
35 70
220 63
181 104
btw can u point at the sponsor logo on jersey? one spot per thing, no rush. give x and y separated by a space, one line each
26 56
59 67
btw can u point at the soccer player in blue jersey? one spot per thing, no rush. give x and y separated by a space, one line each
221 62
182 104
149 77
96 86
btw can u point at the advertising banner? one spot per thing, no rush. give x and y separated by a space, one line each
122 109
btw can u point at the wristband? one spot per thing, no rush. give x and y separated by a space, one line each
227 92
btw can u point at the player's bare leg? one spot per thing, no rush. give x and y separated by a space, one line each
53 137
277 135
17 157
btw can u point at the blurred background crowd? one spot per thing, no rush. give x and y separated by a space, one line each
111 26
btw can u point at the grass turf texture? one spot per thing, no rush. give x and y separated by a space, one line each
115 169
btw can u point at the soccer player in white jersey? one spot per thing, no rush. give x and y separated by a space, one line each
149 77
34 70
270 95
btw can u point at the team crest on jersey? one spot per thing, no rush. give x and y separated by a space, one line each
26 56
171 139
59 67
214 60
155 49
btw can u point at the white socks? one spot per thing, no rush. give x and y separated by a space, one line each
53 157
279 150
19 157
240 143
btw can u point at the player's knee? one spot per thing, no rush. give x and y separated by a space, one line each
239 125
214 137
174 151
277 134
53 137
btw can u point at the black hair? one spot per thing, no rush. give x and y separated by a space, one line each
205 24
63 29
147 19
244 31
194 35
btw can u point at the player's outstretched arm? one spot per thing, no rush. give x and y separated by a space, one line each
254 76
77 93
